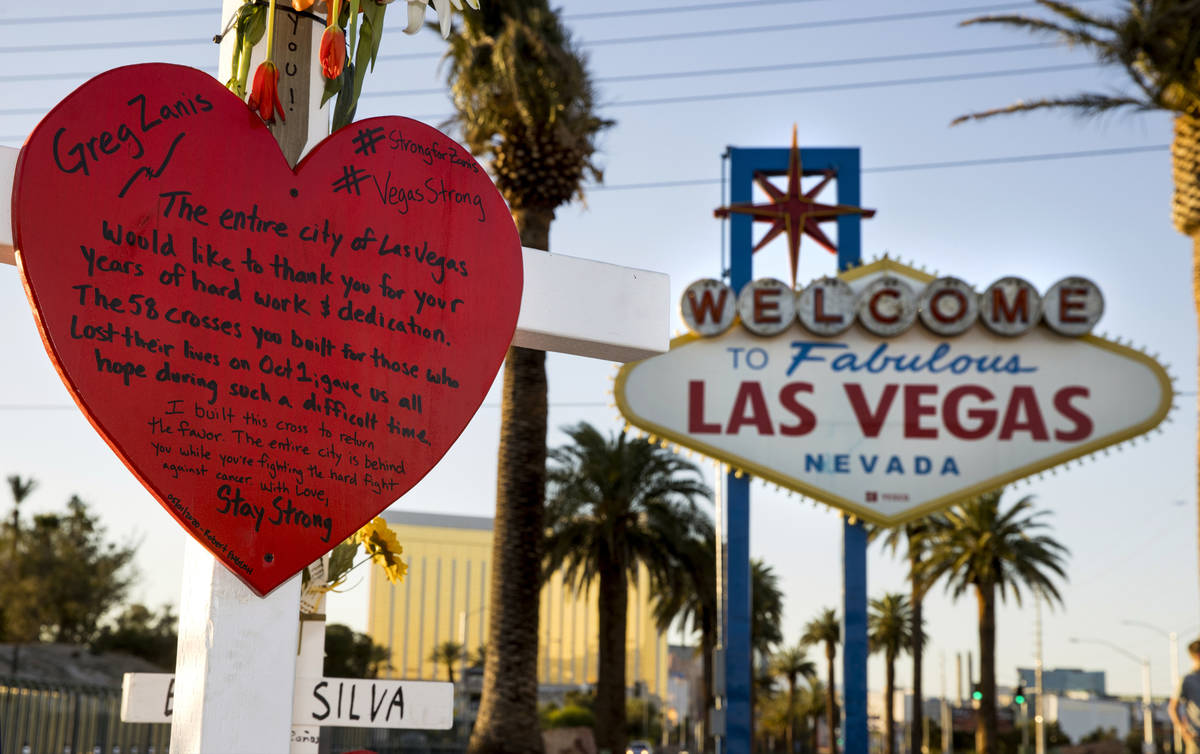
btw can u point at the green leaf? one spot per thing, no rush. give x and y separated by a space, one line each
256 22
341 560
354 4
332 87
361 66
372 28
347 102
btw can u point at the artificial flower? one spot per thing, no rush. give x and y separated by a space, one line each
333 52
301 5
380 543
264 96
416 14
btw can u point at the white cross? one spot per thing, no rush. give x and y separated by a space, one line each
237 659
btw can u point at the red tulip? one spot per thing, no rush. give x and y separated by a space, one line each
264 95
333 52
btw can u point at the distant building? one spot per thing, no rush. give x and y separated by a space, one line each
445 596
1079 717
1065 681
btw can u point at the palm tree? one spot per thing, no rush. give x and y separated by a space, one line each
21 489
478 657
1157 43
912 537
813 701
766 613
522 97
793 663
447 653
692 599
826 629
763 689
614 505
977 545
889 630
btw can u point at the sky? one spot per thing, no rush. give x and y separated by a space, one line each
1041 196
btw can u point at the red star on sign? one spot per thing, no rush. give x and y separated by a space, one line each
792 211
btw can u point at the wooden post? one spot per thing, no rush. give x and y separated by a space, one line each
236 665
310 657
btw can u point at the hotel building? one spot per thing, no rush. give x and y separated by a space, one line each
445 597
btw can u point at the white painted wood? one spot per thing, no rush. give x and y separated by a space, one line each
317 701
236 662
586 308
235 667
310 661
374 703
8 170
147 697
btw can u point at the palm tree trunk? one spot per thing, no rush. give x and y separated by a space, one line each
816 723
508 719
791 725
831 712
889 713
985 729
1185 204
610 681
916 734
708 641
1196 297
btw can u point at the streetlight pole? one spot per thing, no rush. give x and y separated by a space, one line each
1147 707
1173 642
1039 708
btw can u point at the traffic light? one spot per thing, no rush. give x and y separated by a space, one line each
1019 696
977 695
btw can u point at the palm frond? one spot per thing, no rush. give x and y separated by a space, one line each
1071 13
1068 35
1087 105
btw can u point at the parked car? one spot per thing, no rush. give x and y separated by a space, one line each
639 747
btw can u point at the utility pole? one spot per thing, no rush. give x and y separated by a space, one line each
1039 707
947 715
958 676
1147 710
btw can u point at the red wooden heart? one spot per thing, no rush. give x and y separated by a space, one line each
277 355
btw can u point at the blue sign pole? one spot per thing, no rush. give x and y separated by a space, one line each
738 661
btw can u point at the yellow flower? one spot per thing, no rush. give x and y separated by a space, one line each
381 545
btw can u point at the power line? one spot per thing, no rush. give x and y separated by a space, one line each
676 9
212 70
877 84
1019 158
700 7
73 46
726 32
823 23
744 94
837 62
820 24
92 17
980 162
932 55
830 63
884 83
